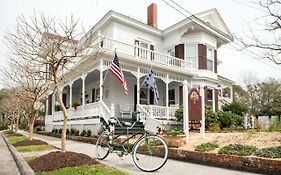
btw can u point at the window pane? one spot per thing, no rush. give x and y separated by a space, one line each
210 65
191 54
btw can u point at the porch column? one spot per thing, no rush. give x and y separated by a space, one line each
185 111
70 95
167 95
213 99
138 87
202 129
47 107
101 79
83 89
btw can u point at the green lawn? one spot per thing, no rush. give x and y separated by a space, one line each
29 159
15 139
85 170
34 148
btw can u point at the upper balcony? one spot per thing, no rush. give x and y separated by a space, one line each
139 54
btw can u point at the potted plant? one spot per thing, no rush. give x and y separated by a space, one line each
57 107
174 138
75 104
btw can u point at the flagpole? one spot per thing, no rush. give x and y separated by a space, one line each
105 76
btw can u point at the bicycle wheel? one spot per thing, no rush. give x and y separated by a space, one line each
102 147
150 153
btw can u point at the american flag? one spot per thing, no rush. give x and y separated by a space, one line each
116 69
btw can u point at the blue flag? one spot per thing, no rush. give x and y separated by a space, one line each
150 83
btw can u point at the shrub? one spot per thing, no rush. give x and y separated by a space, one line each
179 113
214 127
175 132
72 131
236 107
206 147
4 127
238 149
60 131
273 152
77 132
89 133
83 132
211 117
67 131
55 130
226 119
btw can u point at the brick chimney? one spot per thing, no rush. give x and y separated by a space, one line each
152 15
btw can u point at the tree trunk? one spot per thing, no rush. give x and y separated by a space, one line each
65 117
12 124
31 127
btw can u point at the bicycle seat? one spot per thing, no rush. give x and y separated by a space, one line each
127 124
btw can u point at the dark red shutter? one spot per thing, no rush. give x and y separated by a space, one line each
215 61
179 51
216 100
151 54
180 96
137 43
202 58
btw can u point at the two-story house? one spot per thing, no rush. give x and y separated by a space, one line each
185 52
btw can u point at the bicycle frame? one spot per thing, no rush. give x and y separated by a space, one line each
115 145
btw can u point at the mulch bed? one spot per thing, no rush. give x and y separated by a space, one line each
30 142
58 159
11 133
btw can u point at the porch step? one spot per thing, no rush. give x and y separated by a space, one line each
137 127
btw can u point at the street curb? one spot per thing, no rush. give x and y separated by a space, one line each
22 165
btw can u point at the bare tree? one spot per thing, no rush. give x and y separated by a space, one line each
51 47
267 39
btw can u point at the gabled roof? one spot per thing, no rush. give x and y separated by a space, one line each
211 15
206 19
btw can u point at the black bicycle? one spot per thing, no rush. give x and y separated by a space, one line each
149 151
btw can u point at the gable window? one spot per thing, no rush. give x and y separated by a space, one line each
191 54
210 59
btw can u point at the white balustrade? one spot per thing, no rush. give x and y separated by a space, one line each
104 111
159 112
144 54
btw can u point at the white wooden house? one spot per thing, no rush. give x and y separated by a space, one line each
183 57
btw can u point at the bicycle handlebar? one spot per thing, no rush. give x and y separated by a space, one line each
121 125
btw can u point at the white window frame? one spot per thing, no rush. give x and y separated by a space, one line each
212 57
196 54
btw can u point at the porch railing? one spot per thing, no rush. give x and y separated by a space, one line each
143 53
88 110
159 112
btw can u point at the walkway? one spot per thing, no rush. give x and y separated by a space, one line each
7 163
126 164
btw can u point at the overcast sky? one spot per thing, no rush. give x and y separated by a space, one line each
237 14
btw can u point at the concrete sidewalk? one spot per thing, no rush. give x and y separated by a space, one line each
126 163
8 165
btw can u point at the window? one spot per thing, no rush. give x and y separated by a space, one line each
171 52
210 59
172 99
191 54
143 96
210 97
95 95
143 52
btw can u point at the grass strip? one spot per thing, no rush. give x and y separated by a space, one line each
83 169
33 148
